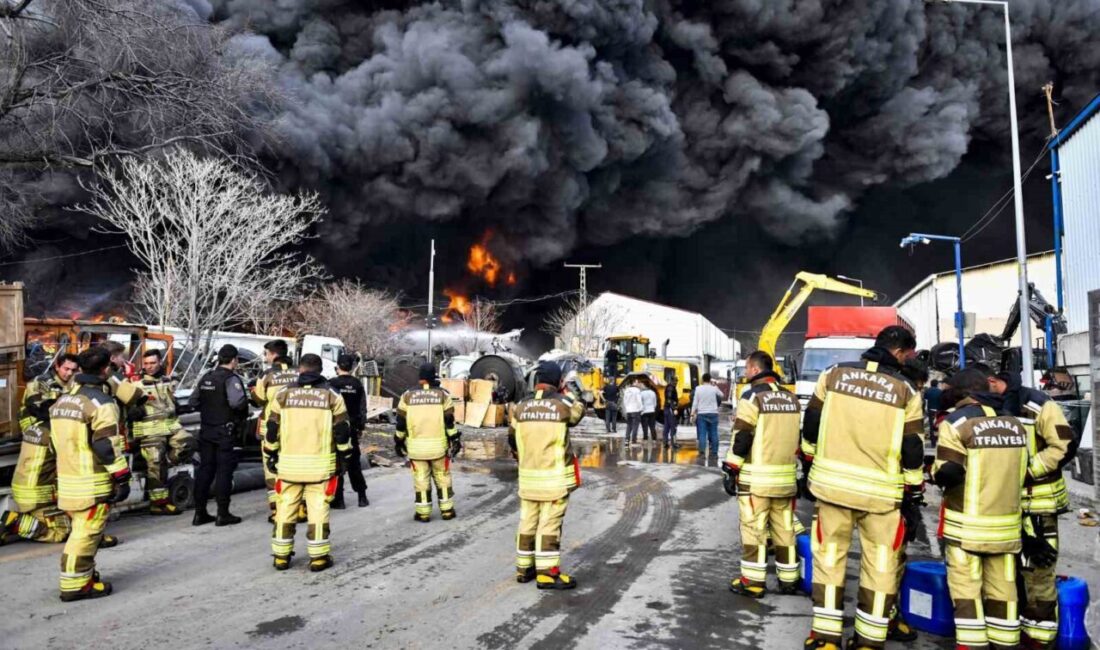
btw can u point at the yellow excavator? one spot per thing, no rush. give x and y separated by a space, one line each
787 308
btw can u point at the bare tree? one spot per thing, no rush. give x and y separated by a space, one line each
580 331
210 236
367 321
478 322
84 82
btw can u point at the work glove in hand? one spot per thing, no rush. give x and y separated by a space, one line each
729 479
399 448
121 491
272 461
454 447
1037 551
804 489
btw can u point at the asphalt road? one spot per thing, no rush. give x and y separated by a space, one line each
651 538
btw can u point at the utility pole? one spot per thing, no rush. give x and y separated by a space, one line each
582 315
431 299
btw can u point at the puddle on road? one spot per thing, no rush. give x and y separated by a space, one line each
597 453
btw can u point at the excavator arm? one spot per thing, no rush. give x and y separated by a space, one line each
792 301
1038 309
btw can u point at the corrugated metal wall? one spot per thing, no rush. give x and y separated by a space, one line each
920 310
1080 162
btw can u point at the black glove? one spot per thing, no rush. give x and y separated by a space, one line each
454 446
804 489
135 413
912 501
729 479
399 447
1037 551
121 491
273 461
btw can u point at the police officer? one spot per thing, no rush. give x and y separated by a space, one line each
863 451
981 461
222 403
91 471
355 400
426 434
34 486
307 427
1052 444
157 430
761 464
280 373
548 472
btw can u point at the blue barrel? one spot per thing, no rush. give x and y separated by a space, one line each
1073 602
805 553
925 600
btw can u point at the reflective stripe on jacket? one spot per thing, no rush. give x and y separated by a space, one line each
539 434
423 412
159 409
1048 439
765 440
306 417
78 419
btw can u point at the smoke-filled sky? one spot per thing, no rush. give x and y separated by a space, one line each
655 133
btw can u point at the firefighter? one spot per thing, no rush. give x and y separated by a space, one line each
222 403
307 426
426 434
981 462
163 441
548 472
34 486
280 373
1052 444
355 400
760 468
91 471
863 454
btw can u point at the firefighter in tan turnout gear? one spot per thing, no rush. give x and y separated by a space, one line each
981 462
305 430
163 441
548 472
760 469
91 471
426 434
1052 444
863 449
280 373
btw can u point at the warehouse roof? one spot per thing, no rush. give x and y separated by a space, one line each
925 282
1087 113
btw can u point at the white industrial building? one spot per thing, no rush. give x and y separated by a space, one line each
989 291
690 336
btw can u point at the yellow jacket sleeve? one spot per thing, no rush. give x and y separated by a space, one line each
1054 429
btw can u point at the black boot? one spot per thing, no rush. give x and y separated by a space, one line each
338 502
363 500
226 518
201 516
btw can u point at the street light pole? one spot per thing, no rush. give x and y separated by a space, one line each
431 299
844 277
1021 236
960 315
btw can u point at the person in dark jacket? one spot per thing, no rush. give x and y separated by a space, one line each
222 402
668 434
350 388
611 406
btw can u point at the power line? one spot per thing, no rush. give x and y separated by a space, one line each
998 206
61 257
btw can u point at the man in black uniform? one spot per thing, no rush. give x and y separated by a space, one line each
222 402
355 399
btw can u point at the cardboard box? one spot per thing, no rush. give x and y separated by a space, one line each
481 390
496 416
456 387
475 413
460 411
376 406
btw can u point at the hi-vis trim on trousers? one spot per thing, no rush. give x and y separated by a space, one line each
424 473
78 556
983 589
880 536
317 497
1040 608
538 540
48 525
758 516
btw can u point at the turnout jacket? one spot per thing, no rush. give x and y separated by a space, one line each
425 422
1051 443
539 436
84 428
307 425
34 484
863 433
274 379
766 439
157 416
981 462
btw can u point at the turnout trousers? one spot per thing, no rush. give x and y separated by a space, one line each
78 556
880 537
538 541
425 472
983 590
1040 607
316 497
160 453
46 524
759 516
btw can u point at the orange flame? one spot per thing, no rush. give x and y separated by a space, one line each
482 263
458 308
